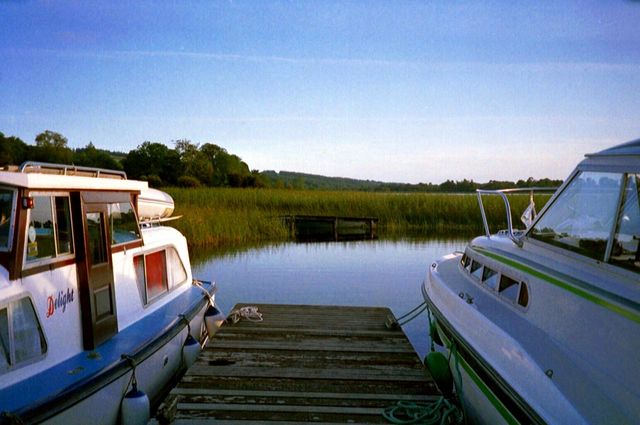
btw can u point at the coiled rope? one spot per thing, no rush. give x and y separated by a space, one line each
249 313
440 411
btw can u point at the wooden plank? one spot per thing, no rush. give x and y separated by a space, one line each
192 421
263 330
272 358
313 346
307 385
295 394
280 408
320 364
375 374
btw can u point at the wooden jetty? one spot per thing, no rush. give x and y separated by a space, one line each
331 228
320 364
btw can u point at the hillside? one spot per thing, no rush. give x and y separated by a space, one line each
295 180
314 181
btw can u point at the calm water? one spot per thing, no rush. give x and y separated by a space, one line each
365 273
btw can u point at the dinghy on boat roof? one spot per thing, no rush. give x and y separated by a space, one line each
90 300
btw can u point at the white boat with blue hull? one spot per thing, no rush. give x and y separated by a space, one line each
98 310
543 325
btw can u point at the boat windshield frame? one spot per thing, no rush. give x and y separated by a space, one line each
7 217
517 239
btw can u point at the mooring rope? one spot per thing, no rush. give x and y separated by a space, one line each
440 411
406 318
249 313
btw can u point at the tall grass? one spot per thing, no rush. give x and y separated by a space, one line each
219 217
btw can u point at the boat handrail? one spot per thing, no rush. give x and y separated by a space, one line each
70 170
503 194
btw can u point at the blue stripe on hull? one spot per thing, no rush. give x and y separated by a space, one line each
58 388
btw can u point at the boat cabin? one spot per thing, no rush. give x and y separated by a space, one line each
67 234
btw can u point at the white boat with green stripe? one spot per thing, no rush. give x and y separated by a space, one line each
542 325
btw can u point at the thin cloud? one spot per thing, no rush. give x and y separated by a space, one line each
232 57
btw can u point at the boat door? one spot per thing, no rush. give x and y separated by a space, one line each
95 273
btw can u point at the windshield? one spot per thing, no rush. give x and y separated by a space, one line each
626 247
582 217
6 218
585 217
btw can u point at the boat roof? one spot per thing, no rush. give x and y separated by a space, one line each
629 148
620 158
43 176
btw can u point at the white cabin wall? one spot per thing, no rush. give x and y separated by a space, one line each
129 297
129 304
61 325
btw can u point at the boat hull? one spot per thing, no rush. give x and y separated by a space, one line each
483 402
153 374
512 388
96 398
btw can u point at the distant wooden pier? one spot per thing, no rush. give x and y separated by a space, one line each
331 228
321 364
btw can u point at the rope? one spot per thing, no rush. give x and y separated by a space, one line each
453 350
133 382
404 319
249 313
432 347
198 284
440 411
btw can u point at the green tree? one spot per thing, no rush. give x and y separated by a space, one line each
195 163
13 151
89 156
153 159
52 147
218 157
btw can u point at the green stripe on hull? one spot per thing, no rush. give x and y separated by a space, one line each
489 395
631 315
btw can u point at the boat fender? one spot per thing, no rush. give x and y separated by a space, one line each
190 350
213 319
135 408
433 333
438 366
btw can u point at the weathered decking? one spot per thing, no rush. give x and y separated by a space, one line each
319 364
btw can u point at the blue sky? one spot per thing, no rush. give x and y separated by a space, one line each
406 91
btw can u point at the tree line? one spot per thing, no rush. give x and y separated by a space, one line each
188 164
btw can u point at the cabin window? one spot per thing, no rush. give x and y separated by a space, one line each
583 215
123 223
626 246
157 272
21 336
177 273
5 350
490 277
63 225
7 210
49 231
466 261
476 269
523 296
509 288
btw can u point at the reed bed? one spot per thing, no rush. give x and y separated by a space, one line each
223 217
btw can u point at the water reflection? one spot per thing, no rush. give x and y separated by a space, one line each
366 273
